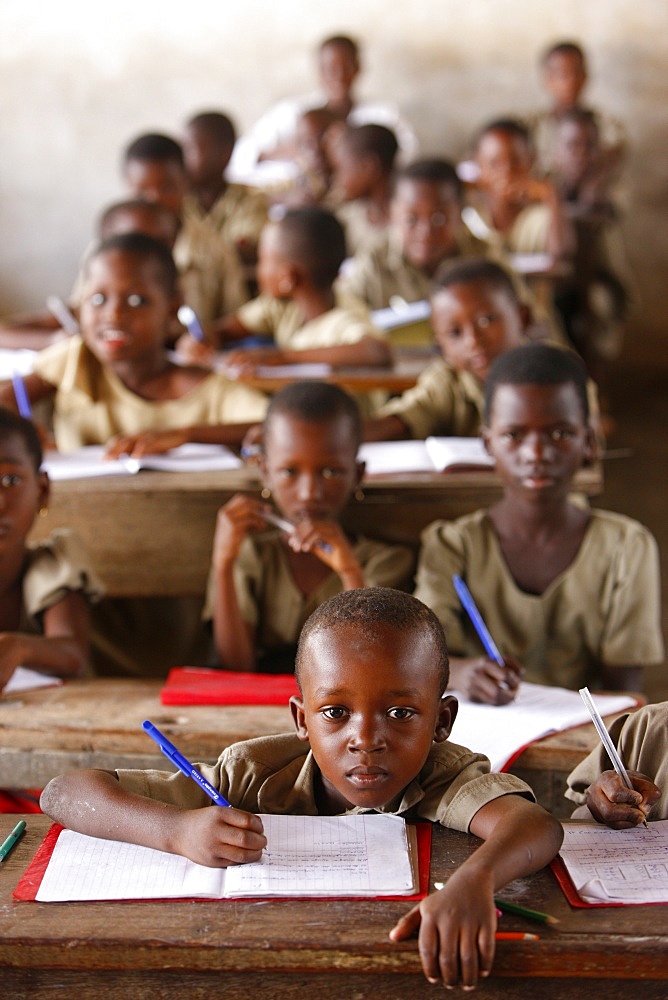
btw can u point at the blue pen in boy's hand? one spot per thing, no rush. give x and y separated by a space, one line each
21 396
469 605
188 317
183 764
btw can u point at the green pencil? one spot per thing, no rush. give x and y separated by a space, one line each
523 911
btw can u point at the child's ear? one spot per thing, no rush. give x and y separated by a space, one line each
447 714
299 716
44 491
288 280
591 448
360 469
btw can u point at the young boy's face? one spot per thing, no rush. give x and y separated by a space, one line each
310 467
125 310
427 217
352 174
575 148
538 438
274 270
205 158
23 491
161 181
371 709
503 160
338 69
564 76
474 323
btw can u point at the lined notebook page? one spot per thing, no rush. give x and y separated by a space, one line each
619 866
365 855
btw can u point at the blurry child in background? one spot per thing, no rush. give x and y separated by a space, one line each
264 581
425 230
592 299
476 315
300 257
45 587
564 77
364 159
210 273
117 377
571 594
235 211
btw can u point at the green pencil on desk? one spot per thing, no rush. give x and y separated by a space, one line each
8 845
524 911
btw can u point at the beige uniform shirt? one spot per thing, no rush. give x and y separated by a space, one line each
642 741
92 405
443 402
347 323
238 215
269 598
54 568
276 774
603 609
362 235
211 277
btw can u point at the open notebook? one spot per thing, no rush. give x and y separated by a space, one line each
614 867
436 454
85 462
360 855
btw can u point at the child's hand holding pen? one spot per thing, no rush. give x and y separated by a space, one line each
484 679
218 837
327 540
612 803
235 520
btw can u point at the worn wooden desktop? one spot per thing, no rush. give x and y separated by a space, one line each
97 723
151 534
325 948
402 374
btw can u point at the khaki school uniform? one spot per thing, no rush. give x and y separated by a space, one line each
238 215
55 567
347 323
443 402
211 278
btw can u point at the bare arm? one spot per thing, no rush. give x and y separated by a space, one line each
390 428
62 650
458 923
94 803
369 352
36 389
156 442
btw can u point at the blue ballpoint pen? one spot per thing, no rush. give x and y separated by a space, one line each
184 765
21 396
469 605
188 317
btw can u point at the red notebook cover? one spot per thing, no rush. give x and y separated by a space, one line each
570 892
197 686
29 883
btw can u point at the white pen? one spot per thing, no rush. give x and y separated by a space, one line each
610 747
289 527
57 308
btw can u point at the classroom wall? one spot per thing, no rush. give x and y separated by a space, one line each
77 80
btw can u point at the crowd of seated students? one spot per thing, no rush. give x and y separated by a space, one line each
358 223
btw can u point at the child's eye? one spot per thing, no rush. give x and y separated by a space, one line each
483 322
454 333
561 434
512 435
334 712
401 713
9 479
97 299
135 300
329 473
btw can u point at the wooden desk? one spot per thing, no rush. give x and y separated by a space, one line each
151 534
402 374
97 723
306 948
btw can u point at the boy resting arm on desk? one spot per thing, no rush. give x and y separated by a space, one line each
372 735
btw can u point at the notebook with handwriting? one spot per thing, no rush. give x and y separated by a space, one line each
598 866
365 855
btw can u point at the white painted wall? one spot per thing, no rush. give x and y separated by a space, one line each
77 80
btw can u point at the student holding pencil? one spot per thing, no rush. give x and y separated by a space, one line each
570 594
641 739
269 573
372 730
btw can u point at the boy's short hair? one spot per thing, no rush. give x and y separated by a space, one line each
146 248
216 125
343 42
13 424
316 402
372 140
156 148
316 241
106 221
512 127
567 48
430 171
371 606
537 364
471 270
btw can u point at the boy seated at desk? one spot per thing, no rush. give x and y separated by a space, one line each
642 741
372 730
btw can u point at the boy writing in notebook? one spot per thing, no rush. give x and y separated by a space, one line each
372 733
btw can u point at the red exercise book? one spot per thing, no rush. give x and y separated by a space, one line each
197 686
29 883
